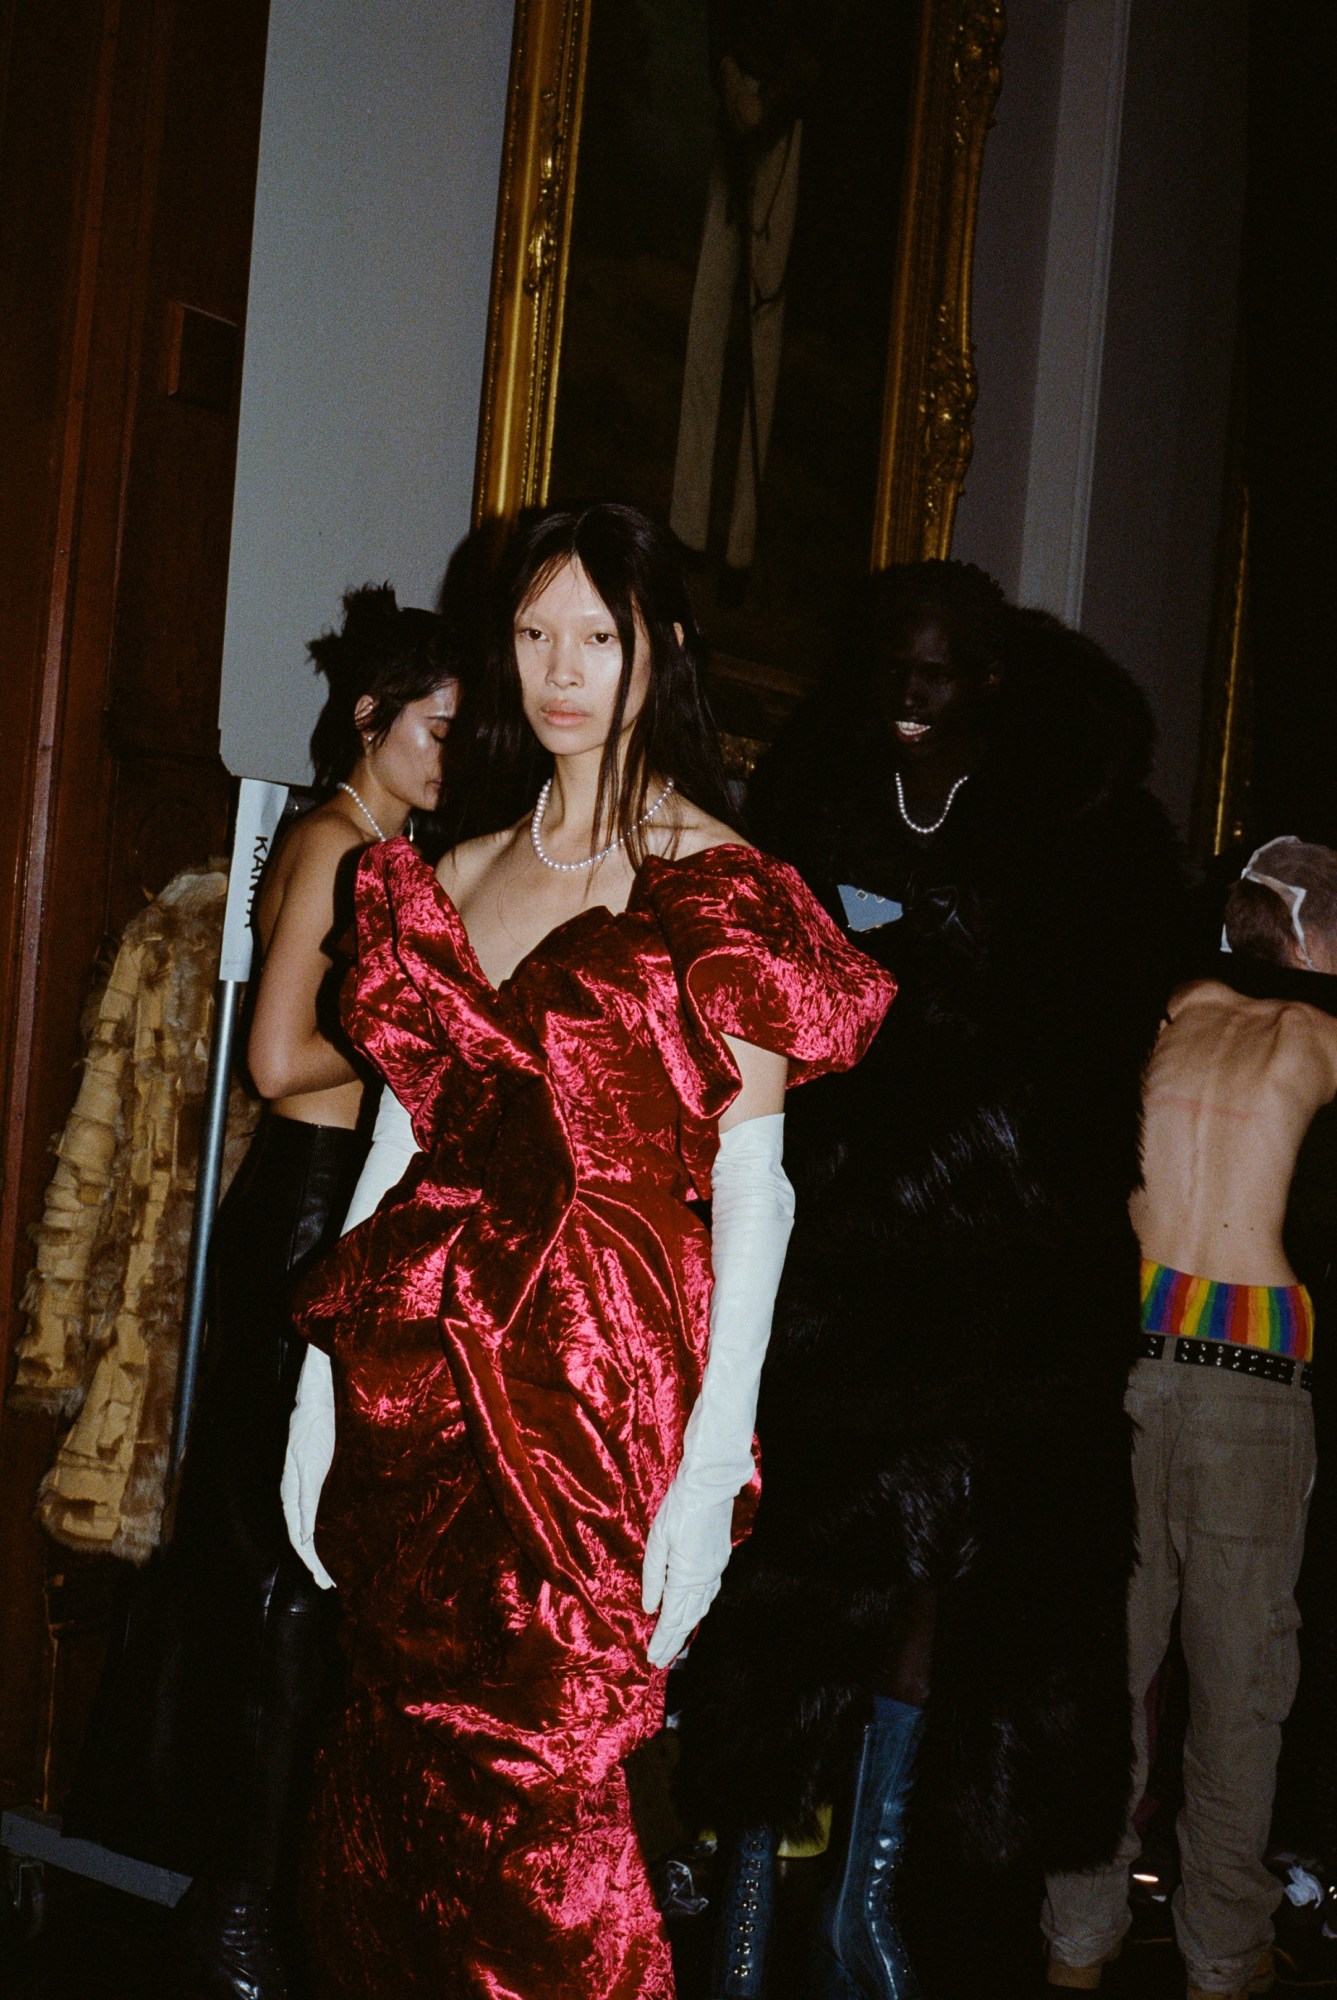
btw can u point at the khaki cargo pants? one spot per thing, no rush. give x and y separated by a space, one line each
1223 1468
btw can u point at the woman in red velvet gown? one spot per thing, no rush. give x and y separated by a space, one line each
518 1333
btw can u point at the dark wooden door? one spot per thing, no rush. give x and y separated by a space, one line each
128 140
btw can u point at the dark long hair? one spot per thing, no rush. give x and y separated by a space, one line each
395 656
631 563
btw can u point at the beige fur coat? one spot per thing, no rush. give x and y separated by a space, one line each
105 1297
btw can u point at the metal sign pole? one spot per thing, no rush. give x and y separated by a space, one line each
213 1134
36 1838
259 809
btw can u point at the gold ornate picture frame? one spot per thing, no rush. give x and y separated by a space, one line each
1223 798
928 389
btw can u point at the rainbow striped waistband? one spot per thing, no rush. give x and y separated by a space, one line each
1277 1318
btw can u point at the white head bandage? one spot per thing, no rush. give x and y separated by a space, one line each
1292 894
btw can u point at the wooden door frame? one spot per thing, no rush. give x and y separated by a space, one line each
95 102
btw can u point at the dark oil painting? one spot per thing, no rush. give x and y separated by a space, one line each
729 300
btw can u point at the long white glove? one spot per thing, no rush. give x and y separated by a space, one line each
392 1147
311 1428
752 1212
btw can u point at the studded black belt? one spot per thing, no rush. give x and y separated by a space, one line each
1255 1362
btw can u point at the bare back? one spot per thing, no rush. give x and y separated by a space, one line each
1231 1089
294 1063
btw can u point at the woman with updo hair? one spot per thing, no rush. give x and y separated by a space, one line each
376 752
230 1649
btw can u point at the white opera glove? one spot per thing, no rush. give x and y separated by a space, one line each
752 1212
308 1458
310 1450
392 1147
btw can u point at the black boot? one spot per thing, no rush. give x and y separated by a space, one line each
747 1911
859 1954
229 1944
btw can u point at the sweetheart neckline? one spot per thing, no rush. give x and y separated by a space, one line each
460 930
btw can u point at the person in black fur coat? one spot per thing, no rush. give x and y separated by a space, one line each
947 1514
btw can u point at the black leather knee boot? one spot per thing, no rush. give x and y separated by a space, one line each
747 1912
237 1930
228 1944
859 1953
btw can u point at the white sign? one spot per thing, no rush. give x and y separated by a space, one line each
259 810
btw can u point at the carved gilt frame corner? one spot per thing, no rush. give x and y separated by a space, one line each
524 333
931 380
1222 798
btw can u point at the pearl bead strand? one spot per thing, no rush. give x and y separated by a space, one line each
571 867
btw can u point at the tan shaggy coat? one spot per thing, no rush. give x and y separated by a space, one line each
105 1296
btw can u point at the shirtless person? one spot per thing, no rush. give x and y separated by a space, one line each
1224 1441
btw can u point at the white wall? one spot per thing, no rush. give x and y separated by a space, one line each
1104 333
1071 357
379 155
1011 248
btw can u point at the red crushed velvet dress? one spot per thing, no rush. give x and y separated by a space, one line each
518 1336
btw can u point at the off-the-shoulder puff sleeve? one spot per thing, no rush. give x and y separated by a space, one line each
757 957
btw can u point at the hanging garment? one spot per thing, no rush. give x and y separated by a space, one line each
105 1296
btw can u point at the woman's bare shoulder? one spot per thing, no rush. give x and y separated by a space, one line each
323 834
692 831
462 867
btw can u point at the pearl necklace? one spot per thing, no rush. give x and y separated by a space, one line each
365 810
569 867
913 824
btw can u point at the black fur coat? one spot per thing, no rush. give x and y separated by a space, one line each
942 1402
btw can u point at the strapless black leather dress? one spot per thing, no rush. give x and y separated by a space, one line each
203 1734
